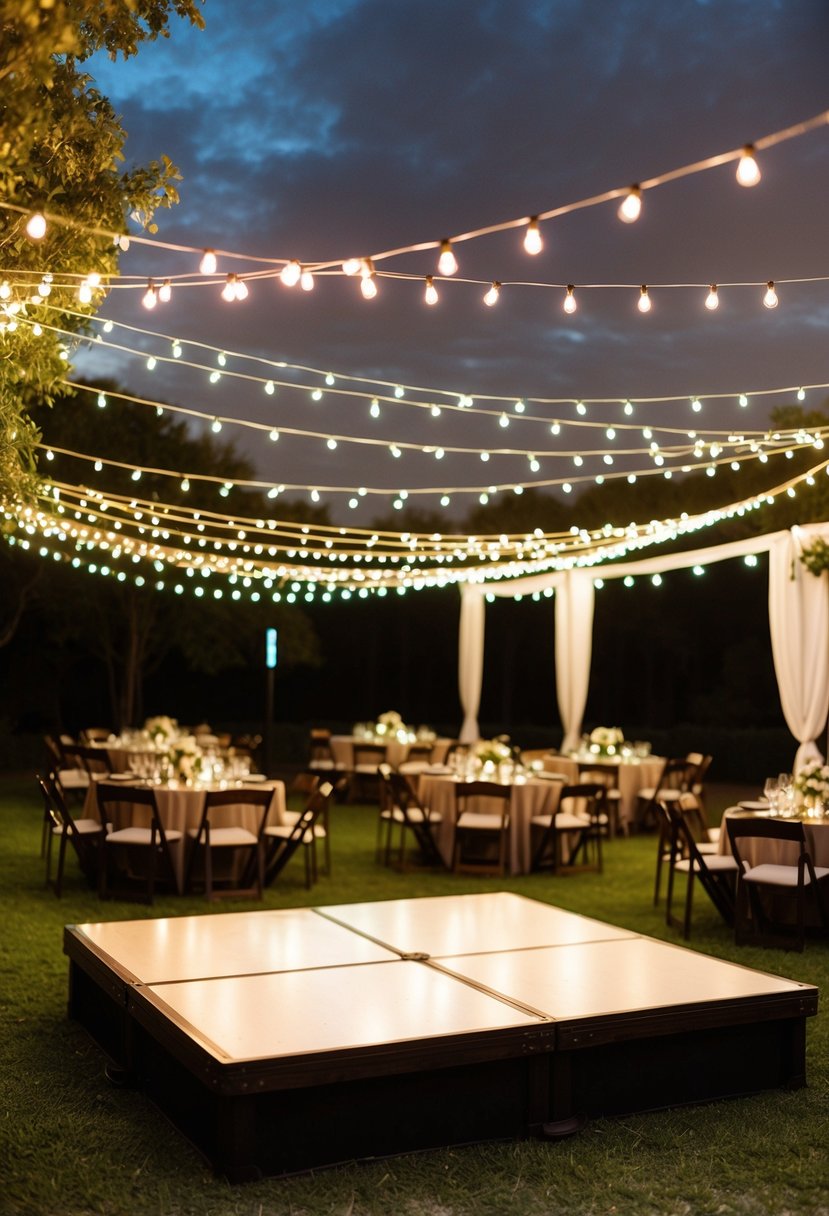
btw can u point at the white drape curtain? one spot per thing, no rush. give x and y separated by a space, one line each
799 625
575 599
798 620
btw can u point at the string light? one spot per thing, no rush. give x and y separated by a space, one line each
712 300
630 207
149 297
533 243
570 300
290 274
165 292
431 293
644 299
770 299
208 263
447 262
36 226
748 171
306 280
368 280
491 297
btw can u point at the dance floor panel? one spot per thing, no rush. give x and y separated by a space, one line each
287 1040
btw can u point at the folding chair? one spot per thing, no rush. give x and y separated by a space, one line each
402 808
676 778
118 803
716 874
481 836
83 834
212 835
695 819
281 842
754 921
580 816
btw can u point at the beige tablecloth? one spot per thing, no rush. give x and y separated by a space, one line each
180 808
535 796
629 777
343 748
779 852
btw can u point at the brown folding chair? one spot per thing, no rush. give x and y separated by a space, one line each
676 778
715 874
402 808
83 834
755 920
580 817
366 757
282 841
481 835
120 804
217 832
665 851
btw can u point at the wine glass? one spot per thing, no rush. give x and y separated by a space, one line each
771 789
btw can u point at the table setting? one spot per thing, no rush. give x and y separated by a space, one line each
390 731
627 766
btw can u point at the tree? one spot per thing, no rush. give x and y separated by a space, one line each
60 149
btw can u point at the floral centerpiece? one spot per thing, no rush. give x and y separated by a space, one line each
186 758
162 730
493 751
388 723
812 782
606 740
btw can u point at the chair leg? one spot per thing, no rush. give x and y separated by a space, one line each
689 898
208 870
61 863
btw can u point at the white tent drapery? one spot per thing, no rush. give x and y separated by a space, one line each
798 620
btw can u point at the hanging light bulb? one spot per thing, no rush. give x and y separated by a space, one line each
290 274
570 305
748 171
631 206
532 237
229 289
447 262
85 294
351 266
241 289
165 292
306 281
801 394
368 281
208 263
492 295
644 299
36 227
431 293
149 297
770 298
712 300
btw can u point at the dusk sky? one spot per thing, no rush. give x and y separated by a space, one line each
334 128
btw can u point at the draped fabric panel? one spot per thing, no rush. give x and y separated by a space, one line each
799 625
471 659
574 645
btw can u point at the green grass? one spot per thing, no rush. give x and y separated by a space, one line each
70 1143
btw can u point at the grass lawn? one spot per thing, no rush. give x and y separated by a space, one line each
70 1143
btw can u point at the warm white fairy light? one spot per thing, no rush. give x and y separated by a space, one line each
712 300
770 299
491 297
644 304
149 298
447 262
748 171
165 292
374 408
743 400
85 293
290 274
570 305
631 206
696 405
36 227
430 295
306 280
208 263
801 394
533 243
368 279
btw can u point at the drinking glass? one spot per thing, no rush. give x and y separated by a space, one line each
771 789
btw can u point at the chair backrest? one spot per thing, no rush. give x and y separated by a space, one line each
245 796
91 759
755 827
95 734
117 799
54 804
466 791
319 745
306 822
369 753
419 751
677 773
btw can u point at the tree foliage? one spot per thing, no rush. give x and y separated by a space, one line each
61 148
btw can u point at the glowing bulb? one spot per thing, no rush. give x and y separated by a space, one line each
274 435
270 388
801 394
85 294
491 296
770 298
696 405
743 400
748 171
570 300
712 300
149 297
5 290
368 286
532 237
208 263
290 274
631 206
215 426
229 289
628 408
331 444
431 293
374 408
351 266
503 420
151 363
306 281
644 299
36 227
165 292
447 262
241 289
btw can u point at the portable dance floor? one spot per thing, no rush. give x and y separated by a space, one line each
287 1040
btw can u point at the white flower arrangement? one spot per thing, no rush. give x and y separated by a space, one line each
388 723
492 751
812 781
606 740
186 758
161 729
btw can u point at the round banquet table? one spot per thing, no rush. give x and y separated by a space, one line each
529 797
630 775
180 808
396 752
779 852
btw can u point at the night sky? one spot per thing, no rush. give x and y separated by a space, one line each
330 128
